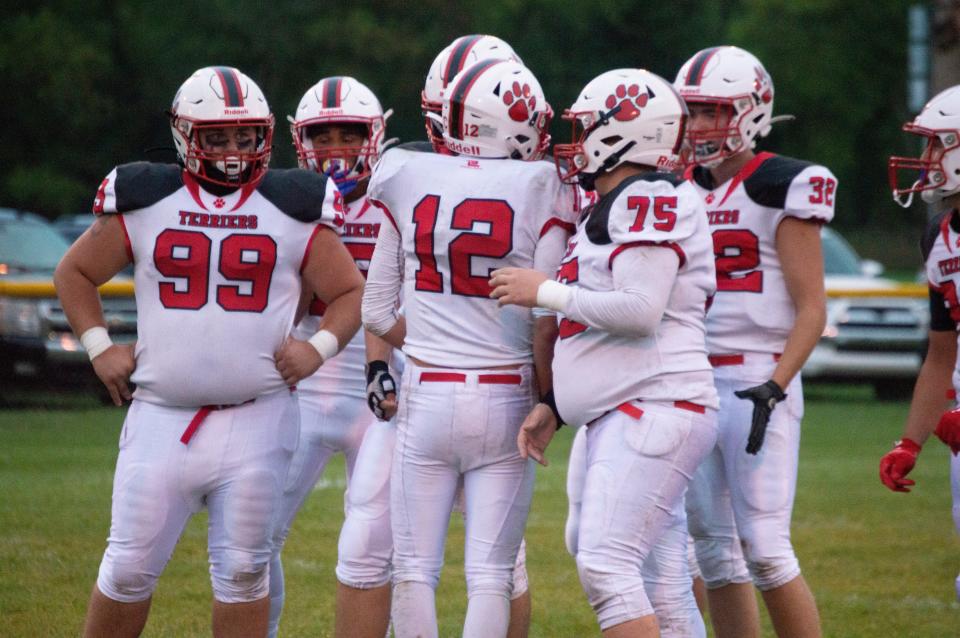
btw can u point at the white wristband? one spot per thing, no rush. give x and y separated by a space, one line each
95 341
326 344
554 295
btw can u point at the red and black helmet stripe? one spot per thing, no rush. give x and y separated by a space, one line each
695 73
459 95
458 56
232 94
331 92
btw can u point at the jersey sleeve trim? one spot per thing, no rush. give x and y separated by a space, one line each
126 237
557 222
675 247
386 211
306 252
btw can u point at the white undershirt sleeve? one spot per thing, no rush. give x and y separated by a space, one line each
381 293
547 257
642 280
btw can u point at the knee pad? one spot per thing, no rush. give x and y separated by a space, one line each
239 577
125 582
616 596
365 550
721 562
771 573
520 581
490 581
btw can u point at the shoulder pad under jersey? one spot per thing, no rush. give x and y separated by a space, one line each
302 195
769 184
137 185
610 210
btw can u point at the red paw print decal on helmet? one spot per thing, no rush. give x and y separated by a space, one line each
630 100
521 102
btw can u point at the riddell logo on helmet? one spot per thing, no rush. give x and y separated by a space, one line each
463 149
231 111
665 162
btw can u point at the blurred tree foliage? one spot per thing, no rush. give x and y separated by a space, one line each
87 83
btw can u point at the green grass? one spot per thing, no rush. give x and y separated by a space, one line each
880 564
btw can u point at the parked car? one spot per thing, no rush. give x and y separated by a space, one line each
876 329
35 339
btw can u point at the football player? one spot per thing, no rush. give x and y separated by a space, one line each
632 287
469 381
338 130
221 249
765 212
936 176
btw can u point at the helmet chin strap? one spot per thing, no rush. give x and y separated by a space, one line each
906 201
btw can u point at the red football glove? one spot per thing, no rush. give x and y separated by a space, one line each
897 463
948 429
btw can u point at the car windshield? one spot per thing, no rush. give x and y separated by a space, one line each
30 245
839 257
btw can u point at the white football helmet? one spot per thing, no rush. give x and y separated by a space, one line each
463 52
219 97
626 115
737 84
340 100
496 109
936 173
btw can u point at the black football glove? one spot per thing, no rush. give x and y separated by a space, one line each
765 398
379 384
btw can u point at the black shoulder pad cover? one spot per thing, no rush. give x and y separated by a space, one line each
297 192
598 230
142 184
420 146
769 184
930 234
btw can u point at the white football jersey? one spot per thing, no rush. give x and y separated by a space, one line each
595 371
217 277
344 375
941 254
460 218
752 311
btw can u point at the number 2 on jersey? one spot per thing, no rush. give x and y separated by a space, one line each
185 254
737 253
495 244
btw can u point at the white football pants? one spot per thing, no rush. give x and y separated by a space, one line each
738 500
235 465
453 424
666 573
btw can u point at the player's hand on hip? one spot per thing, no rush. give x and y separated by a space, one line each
297 360
381 390
765 397
516 286
113 367
536 432
897 463
948 429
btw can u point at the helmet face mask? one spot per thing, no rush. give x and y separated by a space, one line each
709 144
936 173
463 52
221 98
350 123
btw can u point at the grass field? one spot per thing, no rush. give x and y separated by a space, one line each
880 564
